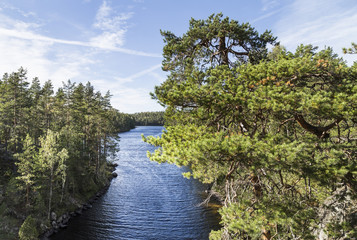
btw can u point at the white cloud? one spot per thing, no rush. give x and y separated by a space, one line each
108 40
112 25
128 99
131 100
105 42
134 99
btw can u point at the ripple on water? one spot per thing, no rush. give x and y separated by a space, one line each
146 201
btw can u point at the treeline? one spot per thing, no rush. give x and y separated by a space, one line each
149 118
273 132
54 147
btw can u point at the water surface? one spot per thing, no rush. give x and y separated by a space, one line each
146 201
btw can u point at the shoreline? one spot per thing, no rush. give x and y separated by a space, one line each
62 222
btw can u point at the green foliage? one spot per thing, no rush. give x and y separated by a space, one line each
52 162
27 165
275 137
351 50
28 230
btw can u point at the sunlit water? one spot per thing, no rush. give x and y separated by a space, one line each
146 201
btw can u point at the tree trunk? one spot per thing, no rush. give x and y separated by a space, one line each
50 196
223 51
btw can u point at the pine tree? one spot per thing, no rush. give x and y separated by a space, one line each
275 138
14 108
27 165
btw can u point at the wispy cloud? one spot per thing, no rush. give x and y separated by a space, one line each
267 15
132 99
104 42
320 22
8 7
269 4
140 74
113 27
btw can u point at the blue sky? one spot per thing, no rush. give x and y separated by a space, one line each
117 46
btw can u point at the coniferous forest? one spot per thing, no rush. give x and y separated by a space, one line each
273 132
55 149
149 118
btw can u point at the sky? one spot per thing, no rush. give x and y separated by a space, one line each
116 44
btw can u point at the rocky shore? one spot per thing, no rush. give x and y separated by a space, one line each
62 221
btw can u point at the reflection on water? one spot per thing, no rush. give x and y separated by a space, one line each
146 201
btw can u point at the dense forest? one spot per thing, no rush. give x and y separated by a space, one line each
54 150
273 132
149 118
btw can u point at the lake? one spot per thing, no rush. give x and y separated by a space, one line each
146 201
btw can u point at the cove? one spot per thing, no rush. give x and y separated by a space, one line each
146 201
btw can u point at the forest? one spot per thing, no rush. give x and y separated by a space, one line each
273 132
55 150
149 118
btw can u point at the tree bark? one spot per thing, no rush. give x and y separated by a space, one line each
223 51
320 132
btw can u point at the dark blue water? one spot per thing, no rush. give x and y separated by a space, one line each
146 201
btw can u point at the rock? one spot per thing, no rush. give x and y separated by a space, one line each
79 211
66 220
49 233
114 174
43 227
62 226
53 216
54 225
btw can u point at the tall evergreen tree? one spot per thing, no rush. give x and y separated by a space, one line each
14 108
27 165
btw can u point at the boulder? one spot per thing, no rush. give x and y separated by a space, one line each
59 220
53 216
54 225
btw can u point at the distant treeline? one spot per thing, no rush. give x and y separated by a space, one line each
149 118
53 149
